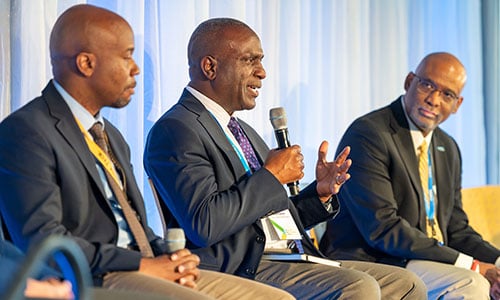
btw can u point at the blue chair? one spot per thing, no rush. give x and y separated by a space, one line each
66 254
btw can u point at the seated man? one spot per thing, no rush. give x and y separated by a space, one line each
66 170
403 205
218 177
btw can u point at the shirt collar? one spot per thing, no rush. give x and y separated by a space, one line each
219 113
79 112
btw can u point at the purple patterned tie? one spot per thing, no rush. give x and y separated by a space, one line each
245 145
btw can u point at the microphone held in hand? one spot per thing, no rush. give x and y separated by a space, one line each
175 240
278 119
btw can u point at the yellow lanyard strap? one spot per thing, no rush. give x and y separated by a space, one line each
101 156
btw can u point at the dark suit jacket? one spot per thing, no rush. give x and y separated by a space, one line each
49 184
206 191
383 214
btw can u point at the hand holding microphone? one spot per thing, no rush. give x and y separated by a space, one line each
175 240
178 265
290 163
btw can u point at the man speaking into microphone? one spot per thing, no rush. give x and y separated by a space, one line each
221 183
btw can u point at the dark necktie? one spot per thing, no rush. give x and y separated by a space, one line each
245 145
130 215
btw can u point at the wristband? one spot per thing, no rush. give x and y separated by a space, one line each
475 265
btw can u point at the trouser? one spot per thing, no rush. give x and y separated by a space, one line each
354 280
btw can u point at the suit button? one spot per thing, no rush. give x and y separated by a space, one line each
260 239
250 271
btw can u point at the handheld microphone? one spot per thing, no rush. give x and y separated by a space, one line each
277 116
175 240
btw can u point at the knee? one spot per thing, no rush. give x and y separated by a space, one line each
365 287
470 285
414 288
403 284
479 285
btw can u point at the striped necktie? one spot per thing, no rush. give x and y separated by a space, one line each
432 226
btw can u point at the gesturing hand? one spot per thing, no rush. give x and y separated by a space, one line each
331 175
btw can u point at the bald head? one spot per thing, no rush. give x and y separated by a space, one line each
212 37
81 28
446 64
91 52
433 92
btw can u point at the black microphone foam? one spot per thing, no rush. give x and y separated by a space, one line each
277 116
175 239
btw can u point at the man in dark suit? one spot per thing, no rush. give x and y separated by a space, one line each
55 178
217 186
393 214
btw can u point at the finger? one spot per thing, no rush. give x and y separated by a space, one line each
342 178
188 281
343 155
296 149
192 275
180 254
345 166
187 266
322 151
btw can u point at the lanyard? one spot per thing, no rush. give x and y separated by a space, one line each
102 157
240 156
429 205
238 152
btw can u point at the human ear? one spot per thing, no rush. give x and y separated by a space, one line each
85 63
209 67
408 80
457 104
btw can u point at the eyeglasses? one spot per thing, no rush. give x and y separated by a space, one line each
428 87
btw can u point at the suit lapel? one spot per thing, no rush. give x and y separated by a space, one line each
69 129
402 138
214 130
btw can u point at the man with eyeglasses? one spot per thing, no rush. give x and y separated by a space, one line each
403 205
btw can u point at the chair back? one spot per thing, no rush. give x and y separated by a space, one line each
482 205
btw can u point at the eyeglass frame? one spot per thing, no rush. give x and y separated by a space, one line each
429 87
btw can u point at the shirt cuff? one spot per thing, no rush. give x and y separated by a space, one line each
464 261
328 205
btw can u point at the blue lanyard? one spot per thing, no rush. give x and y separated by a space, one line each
240 156
238 152
429 205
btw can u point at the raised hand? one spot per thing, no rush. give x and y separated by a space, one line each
331 175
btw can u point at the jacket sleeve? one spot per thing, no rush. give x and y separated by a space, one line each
310 208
